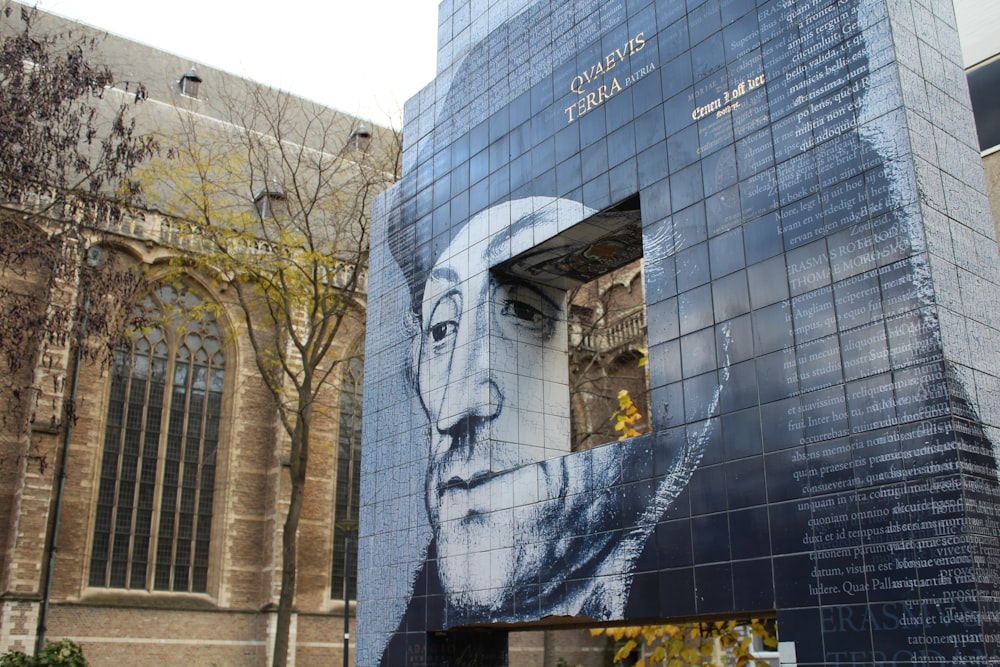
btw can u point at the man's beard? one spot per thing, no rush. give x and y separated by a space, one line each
483 549
503 561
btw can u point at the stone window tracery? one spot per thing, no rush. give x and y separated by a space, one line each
154 508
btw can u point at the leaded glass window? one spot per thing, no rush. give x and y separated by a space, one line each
154 506
348 493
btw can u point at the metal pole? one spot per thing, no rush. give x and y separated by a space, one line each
94 258
347 525
347 590
53 547
43 613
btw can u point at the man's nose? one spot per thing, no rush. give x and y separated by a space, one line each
472 395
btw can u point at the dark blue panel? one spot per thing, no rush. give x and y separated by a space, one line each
711 538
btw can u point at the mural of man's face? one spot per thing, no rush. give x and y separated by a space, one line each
477 330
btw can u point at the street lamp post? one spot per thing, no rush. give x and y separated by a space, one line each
348 526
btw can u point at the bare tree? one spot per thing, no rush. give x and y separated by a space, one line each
275 202
607 328
68 152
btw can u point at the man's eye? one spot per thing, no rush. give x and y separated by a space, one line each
521 310
441 331
442 321
526 308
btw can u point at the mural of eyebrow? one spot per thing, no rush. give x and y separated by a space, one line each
444 274
494 249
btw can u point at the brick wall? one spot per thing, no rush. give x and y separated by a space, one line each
18 621
228 625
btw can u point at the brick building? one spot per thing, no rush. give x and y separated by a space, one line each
176 485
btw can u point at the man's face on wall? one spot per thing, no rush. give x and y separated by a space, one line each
491 365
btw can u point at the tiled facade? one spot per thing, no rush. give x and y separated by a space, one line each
805 187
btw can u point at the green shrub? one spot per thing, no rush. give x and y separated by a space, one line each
63 652
16 659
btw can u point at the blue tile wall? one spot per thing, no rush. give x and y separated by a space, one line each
820 278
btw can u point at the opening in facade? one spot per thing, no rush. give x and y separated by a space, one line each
598 263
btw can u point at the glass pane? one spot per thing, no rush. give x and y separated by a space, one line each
124 497
180 377
348 479
984 91
212 345
199 583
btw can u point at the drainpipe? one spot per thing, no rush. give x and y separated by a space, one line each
95 258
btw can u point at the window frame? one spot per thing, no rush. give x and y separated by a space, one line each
985 102
215 533
335 589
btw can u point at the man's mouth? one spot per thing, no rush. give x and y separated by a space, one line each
465 496
457 483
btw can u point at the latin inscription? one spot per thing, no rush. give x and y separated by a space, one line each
729 99
592 85
889 544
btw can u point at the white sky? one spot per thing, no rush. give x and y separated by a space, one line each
364 57
978 21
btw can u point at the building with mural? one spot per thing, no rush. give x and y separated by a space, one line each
804 185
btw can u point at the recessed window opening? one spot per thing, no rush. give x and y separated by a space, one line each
598 263
189 83
607 344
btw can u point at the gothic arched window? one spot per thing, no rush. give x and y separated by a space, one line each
154 506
